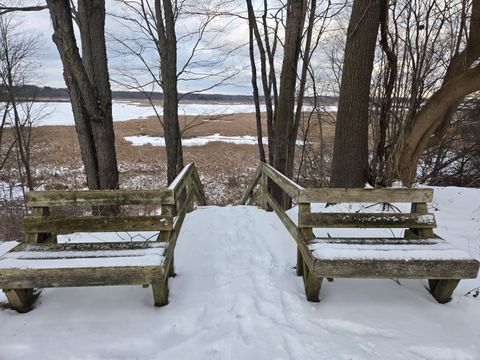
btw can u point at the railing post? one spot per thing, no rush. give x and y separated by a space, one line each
35 238
264 189
422 209
164 236
303 209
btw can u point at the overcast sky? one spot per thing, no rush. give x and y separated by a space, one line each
50 66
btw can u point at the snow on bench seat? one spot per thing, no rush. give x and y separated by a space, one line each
84 256
386 249
390 257
51 265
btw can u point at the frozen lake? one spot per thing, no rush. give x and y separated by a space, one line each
60 113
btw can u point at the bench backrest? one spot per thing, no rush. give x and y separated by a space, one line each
177 199
40 220
418 220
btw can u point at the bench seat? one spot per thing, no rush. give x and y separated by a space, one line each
82 264
431 258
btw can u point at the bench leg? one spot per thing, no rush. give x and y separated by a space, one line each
312 284
442 290
160 292
171 268
20 300
299 263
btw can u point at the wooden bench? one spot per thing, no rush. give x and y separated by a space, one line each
418 254
41 262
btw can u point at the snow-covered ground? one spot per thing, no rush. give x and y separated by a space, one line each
236 296
60 113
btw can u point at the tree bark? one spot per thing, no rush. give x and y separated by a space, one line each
167 48
430 124
283 126
350 152
87 80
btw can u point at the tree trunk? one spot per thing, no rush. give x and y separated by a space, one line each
296 11
256 95
432 121
350 151
167 48
88 83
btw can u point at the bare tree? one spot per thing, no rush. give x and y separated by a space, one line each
304 25
16 53
153 42
88 82
431 123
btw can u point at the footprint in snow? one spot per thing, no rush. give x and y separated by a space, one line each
345 326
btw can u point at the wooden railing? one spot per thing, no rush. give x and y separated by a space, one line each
174 202
419 223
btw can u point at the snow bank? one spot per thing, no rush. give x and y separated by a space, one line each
236 296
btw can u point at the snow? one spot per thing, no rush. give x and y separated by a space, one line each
198 141
236 296
441 250
60 113
6 246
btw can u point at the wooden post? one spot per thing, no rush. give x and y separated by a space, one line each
164 236
264 191
312 284
419 208
160 292
36 238
442 290
20 300
188 188
303 209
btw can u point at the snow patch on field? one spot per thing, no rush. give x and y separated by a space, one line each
198 141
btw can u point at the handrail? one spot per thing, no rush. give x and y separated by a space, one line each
265 172
188 177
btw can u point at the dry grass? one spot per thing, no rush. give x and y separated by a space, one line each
225 169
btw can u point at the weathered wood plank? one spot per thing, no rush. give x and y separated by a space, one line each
66 277
407 269
287 185
377 241
181 180
99 198
71 224
366 220
176 230
200 192
100 246
340 195
293 230
253 183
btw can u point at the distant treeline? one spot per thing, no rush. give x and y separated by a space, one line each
47 92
